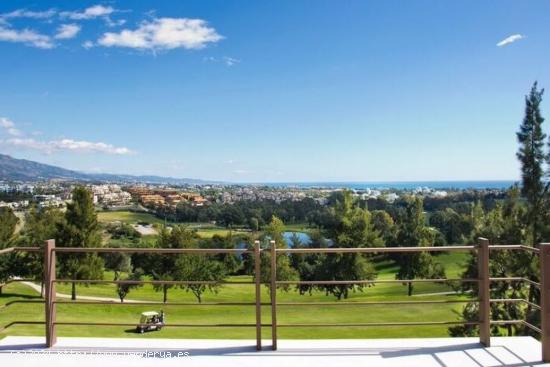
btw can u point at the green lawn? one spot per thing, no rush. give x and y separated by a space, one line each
245 314
205 230
127 217
298 227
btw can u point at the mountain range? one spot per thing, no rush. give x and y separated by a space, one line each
13 169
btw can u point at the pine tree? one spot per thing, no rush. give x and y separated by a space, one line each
413 232
80 229
349 226
531 156
285 272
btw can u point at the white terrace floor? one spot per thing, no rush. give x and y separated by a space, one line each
441 352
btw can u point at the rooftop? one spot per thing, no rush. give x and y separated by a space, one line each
437 352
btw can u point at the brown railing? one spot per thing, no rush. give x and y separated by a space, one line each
483 249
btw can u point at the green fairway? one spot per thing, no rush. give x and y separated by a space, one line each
298 227
208 314
129 217
205 230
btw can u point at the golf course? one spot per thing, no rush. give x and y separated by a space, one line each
204 230
206 313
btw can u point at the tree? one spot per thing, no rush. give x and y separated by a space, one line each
531 156
231 262
185 267
80 229
8 223
348 226
274 232
503 225
413 232
5 270
118 262
124 288
385 225
163 267
200 268
41 224
254 224
454 226
308 265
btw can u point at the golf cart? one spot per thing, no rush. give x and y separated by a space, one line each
149 321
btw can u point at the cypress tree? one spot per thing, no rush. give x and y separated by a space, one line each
80 229
531 156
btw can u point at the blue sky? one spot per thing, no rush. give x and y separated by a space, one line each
272 90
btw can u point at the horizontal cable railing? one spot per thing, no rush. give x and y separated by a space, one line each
358 282
483 281
515 279
14 323
153 303
76 323
380 324
152 282
149 250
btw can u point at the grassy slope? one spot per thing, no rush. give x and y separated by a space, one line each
127 217
245 314
206 230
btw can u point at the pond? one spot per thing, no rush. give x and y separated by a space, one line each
302 236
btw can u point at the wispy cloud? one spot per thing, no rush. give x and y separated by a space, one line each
87 44
24 13
511 39
26 36
163 34
67 31
9 126
71 145
17 140
230 61
88 13
114 23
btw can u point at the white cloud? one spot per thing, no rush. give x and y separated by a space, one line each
229 61
24 13
87 44
9 126
67 31
52 146
163 34
114 23
70 145
27 37
88 13
511 39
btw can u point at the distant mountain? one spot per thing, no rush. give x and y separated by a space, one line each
12 169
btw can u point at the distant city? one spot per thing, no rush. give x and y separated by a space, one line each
56 193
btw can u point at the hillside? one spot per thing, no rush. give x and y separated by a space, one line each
13 169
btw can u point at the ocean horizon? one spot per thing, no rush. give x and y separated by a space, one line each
399 185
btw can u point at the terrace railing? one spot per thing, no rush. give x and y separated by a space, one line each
484 322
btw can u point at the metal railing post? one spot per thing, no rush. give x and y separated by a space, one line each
273 290
545 301
258 285
49 275
484 292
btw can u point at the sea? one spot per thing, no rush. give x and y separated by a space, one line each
400 185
